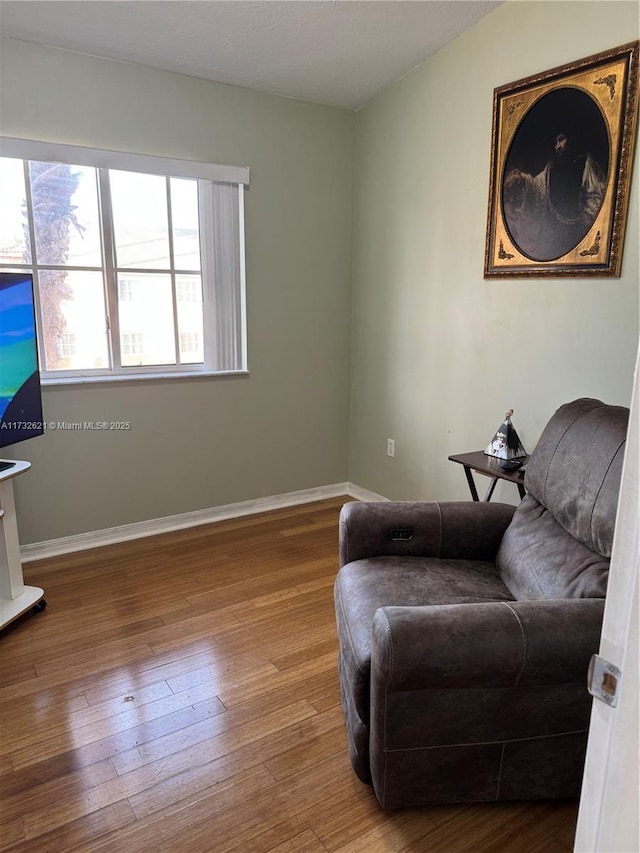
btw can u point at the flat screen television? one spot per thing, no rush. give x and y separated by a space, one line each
20 395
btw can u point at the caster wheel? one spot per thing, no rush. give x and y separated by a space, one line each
40 606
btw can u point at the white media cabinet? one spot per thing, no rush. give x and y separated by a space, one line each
15 597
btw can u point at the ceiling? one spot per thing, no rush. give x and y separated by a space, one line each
337 52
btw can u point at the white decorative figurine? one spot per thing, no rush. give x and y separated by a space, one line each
506 444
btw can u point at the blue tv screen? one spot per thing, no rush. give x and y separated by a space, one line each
20 396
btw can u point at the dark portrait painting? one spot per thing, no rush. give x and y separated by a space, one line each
562 149
555 174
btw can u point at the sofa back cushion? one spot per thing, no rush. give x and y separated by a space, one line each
559 542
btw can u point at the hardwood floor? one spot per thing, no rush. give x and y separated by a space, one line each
179 693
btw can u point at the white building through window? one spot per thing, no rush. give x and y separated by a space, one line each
189 290
138 262
190 345
126 289
132 343
67 345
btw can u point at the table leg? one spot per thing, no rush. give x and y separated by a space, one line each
522 490
472 485
492 486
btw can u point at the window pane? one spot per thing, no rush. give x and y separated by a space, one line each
65 214
146 319
190 323
85 249
141 231
73 319
184 217
14 246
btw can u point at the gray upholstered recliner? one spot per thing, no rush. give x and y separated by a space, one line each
466 628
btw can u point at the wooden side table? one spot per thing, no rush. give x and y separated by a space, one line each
490 467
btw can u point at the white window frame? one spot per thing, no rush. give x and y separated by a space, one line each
221 225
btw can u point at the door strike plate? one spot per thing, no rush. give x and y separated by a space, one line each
603 680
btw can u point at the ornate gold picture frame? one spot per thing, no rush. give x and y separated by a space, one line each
561 158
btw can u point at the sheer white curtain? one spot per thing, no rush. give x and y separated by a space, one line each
221 239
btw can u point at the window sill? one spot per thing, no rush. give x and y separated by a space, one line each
64 381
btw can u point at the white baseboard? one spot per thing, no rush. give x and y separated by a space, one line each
361 494
140 529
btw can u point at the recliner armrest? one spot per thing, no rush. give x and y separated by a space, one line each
481 701
496 644
456 530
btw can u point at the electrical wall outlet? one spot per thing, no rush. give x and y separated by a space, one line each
391 447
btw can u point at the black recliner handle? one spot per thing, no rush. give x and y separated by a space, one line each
401 534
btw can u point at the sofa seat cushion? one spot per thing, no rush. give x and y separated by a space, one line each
365 585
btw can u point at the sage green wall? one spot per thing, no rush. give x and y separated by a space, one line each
439 354
203 443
